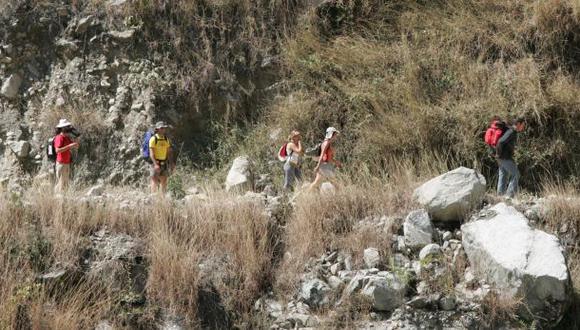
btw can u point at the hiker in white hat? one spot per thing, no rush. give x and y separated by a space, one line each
326 167
63 143
160 153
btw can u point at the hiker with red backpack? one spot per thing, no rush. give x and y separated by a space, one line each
291 153
326 167
508 169
503 139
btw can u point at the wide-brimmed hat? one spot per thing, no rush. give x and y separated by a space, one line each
63 123
330 132
161 124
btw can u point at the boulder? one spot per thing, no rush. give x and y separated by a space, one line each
386 292
20 148
450 196
418 229
520 261
431 250
240 177
84 23
315 293
11 86
371 257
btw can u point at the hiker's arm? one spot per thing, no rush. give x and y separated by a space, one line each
298 148
67 147
152 156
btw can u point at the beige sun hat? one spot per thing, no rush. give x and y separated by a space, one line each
63 123
330 132
161 124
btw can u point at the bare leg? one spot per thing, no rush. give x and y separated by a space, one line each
154 184
316 182
163 184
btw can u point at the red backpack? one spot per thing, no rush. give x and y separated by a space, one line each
494 132
282 153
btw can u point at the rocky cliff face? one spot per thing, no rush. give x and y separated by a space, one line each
113 75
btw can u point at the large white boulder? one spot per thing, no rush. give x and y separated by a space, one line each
520 261
240 176
418 229
450 196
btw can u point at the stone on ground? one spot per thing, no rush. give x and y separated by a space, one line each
418 229
371 257
240 177
431 250
519 260
386 292
315 293
450 196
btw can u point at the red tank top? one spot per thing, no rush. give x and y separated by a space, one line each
328 154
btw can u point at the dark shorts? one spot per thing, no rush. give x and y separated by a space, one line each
163 170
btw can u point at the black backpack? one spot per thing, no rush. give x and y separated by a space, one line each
51 150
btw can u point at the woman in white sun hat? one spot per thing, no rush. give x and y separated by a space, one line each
326 167
63 143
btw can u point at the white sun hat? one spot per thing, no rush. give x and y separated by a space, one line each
330 132
63 123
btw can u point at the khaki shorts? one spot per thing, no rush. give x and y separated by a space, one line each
327 170
163 170
62 172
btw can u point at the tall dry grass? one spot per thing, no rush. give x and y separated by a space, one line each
563 219
222 245
406 80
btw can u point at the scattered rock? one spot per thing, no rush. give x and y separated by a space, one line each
20 148
240 176
418 229
431 250
447 303
334 282
447 236
84 23
315 293
450 196
520 261
104 325
11 86
123 35
371 257
386 292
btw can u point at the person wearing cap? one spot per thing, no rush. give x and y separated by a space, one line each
160 152
325 169
63 143
293 162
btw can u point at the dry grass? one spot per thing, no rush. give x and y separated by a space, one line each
563 219
499 309
230 236
406 80
323 222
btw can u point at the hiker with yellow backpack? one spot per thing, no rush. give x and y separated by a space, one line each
157 151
